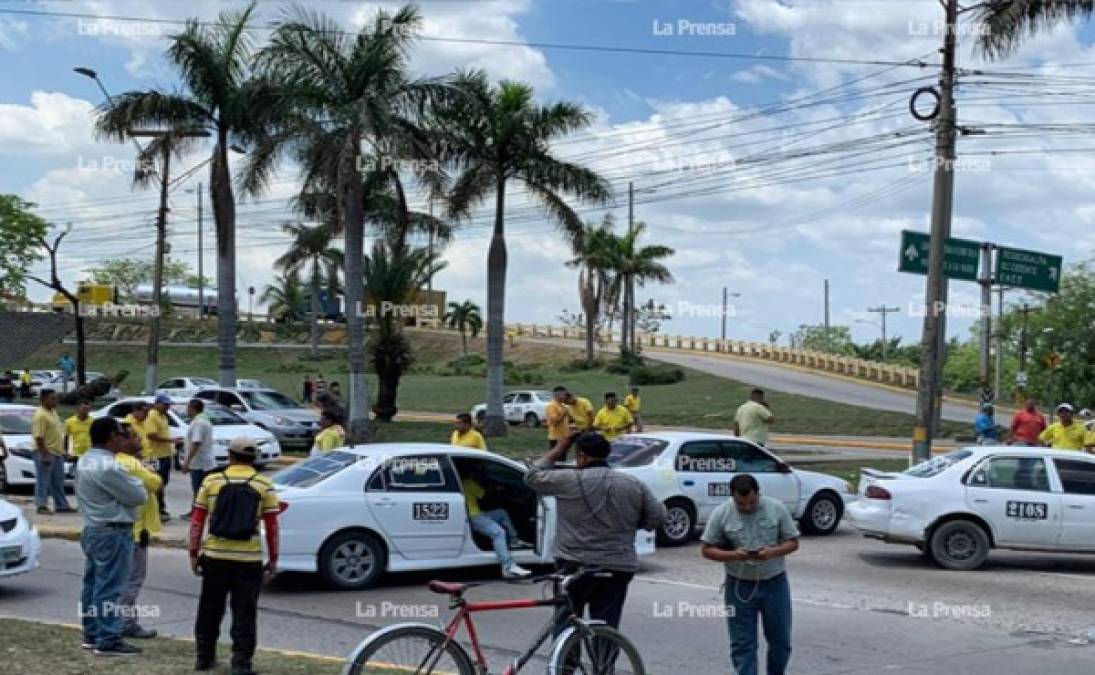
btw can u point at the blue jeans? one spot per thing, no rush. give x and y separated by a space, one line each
496 525
771 599
196 478
108 554
49 481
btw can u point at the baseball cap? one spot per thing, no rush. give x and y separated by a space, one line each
1066 406
163 398
243 446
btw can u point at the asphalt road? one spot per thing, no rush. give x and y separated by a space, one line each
860 607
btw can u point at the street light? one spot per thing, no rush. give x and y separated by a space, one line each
725 303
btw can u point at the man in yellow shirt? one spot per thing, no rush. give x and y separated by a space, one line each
633 402
494 524
612 420
581 412
557 417
160 447
1065 433
49 460
78 430
463 436
328 437
146 524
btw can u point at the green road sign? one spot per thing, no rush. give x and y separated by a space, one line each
1028 269
961 260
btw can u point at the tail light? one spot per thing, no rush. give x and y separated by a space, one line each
877 492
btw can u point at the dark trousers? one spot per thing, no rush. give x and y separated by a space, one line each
163 468
604 596
196 478
222 579
770 600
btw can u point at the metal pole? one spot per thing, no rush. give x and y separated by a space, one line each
999 343
986 324
201 262
1023 347
828 342
724 305
883 310
629 300
943 187
151 371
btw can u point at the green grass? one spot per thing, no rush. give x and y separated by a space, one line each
31 647
701 400
849 469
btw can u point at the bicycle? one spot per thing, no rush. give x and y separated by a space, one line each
584 647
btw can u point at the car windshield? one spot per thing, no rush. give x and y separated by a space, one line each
15 421
635 451
315 470
937 465
218 417
544 396
202 382
268 400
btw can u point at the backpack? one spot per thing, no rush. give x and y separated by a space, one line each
235 513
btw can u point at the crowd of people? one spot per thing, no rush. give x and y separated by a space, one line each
1029 427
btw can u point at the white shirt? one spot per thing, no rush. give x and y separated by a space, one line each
200 431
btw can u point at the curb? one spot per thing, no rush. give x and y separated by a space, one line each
269 650
48 531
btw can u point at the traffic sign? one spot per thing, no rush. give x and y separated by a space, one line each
961 258
1020 379
1028 269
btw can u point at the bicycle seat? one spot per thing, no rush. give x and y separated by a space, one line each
447 587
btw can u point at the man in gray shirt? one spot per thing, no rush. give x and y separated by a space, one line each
108 496
599 512
751 534
200 459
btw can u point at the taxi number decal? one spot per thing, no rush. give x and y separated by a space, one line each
431 511
718 489
1027 510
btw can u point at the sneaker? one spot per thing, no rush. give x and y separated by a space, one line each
185 516
521 544
140 633
65 509
515 571
165 517
88 645
44 511
243 670
119 649
202 665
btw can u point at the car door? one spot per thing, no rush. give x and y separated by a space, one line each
522 403
775 480
1077 478
704 469
1011 492
507 406
418 503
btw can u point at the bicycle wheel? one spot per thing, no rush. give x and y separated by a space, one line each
403 650
594 650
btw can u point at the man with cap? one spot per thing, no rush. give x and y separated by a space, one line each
1065 433
229 559
599 512
985 424
1089 431
160 447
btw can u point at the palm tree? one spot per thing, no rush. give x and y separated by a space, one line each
593 247
311 246
285 298
496 135
392 278
464 317
1005 22
635 266
224 98
345 91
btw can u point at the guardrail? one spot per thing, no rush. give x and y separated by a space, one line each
850 366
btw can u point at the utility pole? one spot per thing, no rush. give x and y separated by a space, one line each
724 308
201 259
1023 351
883 310
629 310
988 395
828 339
930 380
999 342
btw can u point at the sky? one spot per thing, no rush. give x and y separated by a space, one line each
768 142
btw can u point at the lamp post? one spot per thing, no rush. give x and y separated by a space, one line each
250 303
725 308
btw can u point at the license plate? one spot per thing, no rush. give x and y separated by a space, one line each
718 489
431 511
10 554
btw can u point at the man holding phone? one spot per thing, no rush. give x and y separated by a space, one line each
751 534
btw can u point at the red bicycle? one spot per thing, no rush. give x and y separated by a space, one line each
582 646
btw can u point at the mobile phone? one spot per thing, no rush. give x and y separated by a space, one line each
752 551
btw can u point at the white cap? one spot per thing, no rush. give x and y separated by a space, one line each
1065 406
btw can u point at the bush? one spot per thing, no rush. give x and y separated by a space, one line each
580 365
623 364
659 374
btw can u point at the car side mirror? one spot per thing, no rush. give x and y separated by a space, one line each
783 467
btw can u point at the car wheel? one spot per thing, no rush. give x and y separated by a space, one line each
531 420
480 416
960 545
822 514
351 561
679 524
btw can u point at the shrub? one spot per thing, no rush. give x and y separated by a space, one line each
580 365
657 374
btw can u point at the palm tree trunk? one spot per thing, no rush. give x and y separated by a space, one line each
224 214
634 320
495 422
625 318
591 328
315 308
352 193
464 339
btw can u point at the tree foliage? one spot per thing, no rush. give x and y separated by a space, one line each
126 274
20 235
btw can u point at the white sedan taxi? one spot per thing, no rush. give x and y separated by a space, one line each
18 449
528 407
959 506
690 473
19 542
355 513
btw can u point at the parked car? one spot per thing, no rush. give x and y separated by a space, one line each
690 473
20 545
17 461
184 387
226 427
526 407
289 421
958 507
56 381
249 384
412 517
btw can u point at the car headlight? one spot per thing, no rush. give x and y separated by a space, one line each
282 421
